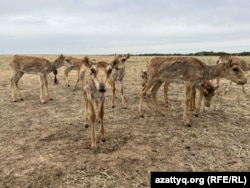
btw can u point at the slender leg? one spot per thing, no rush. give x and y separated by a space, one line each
187 100
93 118
144 91
66 73
78 78
166 93
124 104
228 87
153 93
112 83
42 82
192 100
14 84
197 109
12 89
243 89
101 115
86 120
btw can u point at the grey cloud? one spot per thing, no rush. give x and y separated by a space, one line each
107 26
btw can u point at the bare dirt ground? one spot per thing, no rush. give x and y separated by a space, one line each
47 145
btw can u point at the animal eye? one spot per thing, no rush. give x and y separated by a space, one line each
235 69
109 71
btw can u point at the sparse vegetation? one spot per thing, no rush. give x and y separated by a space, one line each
50 147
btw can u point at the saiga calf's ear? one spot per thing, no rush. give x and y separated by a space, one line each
109 69
87 62
93 69
128 56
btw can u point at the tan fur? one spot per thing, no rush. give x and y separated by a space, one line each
117 75
206 89
75 64
94 77
240 62
34 65
191 71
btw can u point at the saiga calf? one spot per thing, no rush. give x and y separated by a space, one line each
94 77
240 62
192 72
117 75
34 65
206 90
75 64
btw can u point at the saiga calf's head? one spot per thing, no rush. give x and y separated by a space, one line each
100 73
232 70
62 61
208 91
144 77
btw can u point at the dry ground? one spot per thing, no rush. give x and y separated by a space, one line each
47 145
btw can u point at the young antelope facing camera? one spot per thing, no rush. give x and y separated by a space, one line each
94 77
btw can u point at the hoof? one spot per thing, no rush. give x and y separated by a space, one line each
86 125
187 124
196 115
103 140
14 101
21 99
142 116
113 106
51 99
124 105
94 149
68 85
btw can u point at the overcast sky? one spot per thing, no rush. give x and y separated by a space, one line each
123 26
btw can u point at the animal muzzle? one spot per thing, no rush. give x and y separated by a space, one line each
207 103
102 88
242 82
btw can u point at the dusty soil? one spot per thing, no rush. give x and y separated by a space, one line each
47 145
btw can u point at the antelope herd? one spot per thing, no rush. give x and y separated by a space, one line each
95 75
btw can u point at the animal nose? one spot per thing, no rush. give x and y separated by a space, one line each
102 88
207 104
242 82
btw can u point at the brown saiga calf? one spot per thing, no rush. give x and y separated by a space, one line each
241 63
117 75
34 65
192 72
75 64
206 90
94 77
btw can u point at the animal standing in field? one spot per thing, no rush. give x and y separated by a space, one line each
206 90
192 72
117 75
94 77
34 65
240 62
75 64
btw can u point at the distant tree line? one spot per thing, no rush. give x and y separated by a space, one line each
204 53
